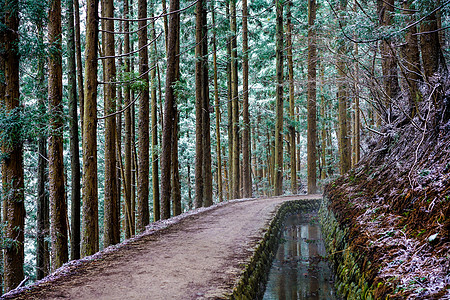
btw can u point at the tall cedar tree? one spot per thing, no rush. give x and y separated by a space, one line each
278 166
293 147
235 175
74 139
58 207
176 186
206 120
229 110
111 234
217 109
89 244
143 160
169 110
154 126
389 61
312 126
128 140
199 180
42 213
411 61
345 149
12 166
246 166
80 85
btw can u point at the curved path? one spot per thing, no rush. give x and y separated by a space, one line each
199 256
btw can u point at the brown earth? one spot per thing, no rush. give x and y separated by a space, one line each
196 256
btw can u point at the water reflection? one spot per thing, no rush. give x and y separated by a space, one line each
299 270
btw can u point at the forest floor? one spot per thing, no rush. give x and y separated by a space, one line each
199 255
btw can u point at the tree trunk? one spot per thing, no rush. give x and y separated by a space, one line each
111 224
206 126
246 166
229 108
235 174
143 131
80 84
42 211
58 225
411 62
128 140
278 166
345 149
154 129
389 61
199 180
217 111
89 244
74 139
12 167
292 141
176 186
432 56
169 107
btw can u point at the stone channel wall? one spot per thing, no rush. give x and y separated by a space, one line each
251 284
351 281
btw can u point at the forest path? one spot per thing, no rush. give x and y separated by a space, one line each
198 257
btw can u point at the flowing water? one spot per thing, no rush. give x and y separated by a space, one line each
299 269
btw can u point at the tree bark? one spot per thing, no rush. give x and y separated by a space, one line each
169 110
235 172
229 110
58 225
89 244
246 166
128 139
293 147
217 111
278 166
154 129
80 84
143 132
199 180
111 234
206 120
74 139
12 167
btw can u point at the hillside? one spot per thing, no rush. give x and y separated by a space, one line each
396 204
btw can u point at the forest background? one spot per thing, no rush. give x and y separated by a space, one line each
109 123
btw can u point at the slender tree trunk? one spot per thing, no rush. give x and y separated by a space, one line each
169 110
74 139
229 110
278 166
111 224
119 125
235 172
206 120
154 129
292 141
199 180
217 111
80 84
42 109
176 186
143 184
89 244
128 140
58 206
246 166
12 167
343 137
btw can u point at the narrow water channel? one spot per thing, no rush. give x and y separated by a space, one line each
299 269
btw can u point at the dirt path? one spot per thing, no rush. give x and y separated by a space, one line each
199 257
